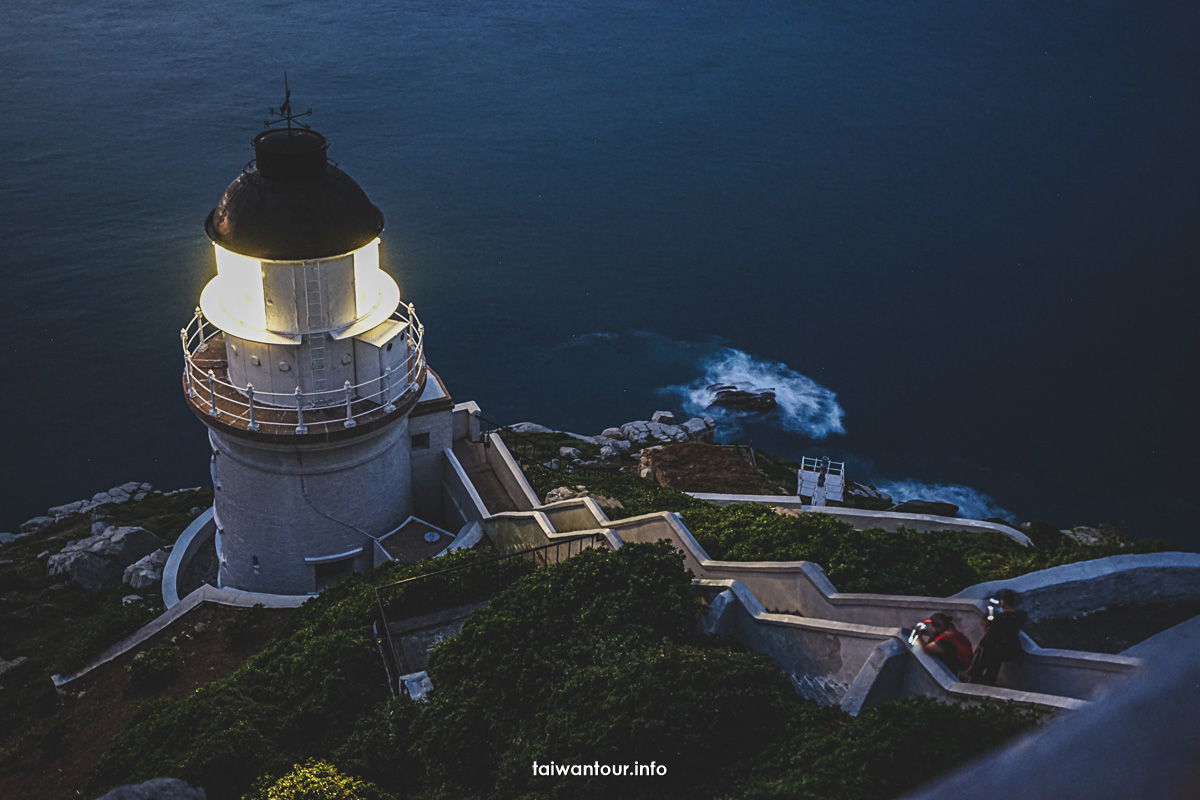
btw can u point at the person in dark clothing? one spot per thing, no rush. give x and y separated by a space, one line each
1000 641
943 640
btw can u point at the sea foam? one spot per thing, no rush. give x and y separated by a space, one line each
805 406
972 503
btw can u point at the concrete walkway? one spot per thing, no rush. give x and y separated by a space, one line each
473 458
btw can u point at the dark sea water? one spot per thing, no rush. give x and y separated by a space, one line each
961 240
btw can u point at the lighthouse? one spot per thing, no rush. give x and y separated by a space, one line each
305 367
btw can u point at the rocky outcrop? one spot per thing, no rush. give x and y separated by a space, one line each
530 427
663 417
131 490
866 491
700 429
100 560
742 401
643 433
935 507
157 789
122 545
567 493
87 569
5 666
147 572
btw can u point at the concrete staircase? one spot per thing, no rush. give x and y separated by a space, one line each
819 688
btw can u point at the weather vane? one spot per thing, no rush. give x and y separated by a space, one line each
284 112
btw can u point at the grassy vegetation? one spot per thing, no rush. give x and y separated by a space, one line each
610 667
936 564
60 626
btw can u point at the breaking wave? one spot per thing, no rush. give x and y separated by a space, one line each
804 407
972 503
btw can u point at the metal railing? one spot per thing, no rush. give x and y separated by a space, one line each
528 452
284 412
461 585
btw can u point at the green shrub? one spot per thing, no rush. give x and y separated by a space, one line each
936 563
300 697
245 625
887 750
155 668
112 623
316 780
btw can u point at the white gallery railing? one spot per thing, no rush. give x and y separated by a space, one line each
276 412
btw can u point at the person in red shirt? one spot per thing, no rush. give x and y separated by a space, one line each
945 642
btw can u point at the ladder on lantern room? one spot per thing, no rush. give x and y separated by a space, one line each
316 313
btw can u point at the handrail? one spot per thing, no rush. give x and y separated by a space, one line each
223 399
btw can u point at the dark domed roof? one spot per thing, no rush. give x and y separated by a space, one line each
292 204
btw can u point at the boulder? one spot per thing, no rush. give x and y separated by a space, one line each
642 432
65 510
663 417
1084 534
99 527
864 490
609 453
700 429
935 507
130 599
157 789
87 569
102 497
564 493
8 538
569 452
146 572
613 433
122 545
742 401
5 666
529 427
36 524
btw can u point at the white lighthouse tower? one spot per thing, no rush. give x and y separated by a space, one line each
305 367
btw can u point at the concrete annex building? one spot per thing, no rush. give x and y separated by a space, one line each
327 427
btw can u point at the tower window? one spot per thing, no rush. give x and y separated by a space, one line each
420 441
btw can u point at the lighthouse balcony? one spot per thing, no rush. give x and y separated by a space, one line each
318 412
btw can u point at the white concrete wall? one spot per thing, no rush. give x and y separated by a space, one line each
283 504
428 465
510 475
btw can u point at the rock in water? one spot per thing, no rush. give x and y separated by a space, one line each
157 789
742 401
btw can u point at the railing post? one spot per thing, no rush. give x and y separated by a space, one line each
212 395
200 325
250 394
349 423
300 426
388 405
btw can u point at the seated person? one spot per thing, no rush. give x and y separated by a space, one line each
941 639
